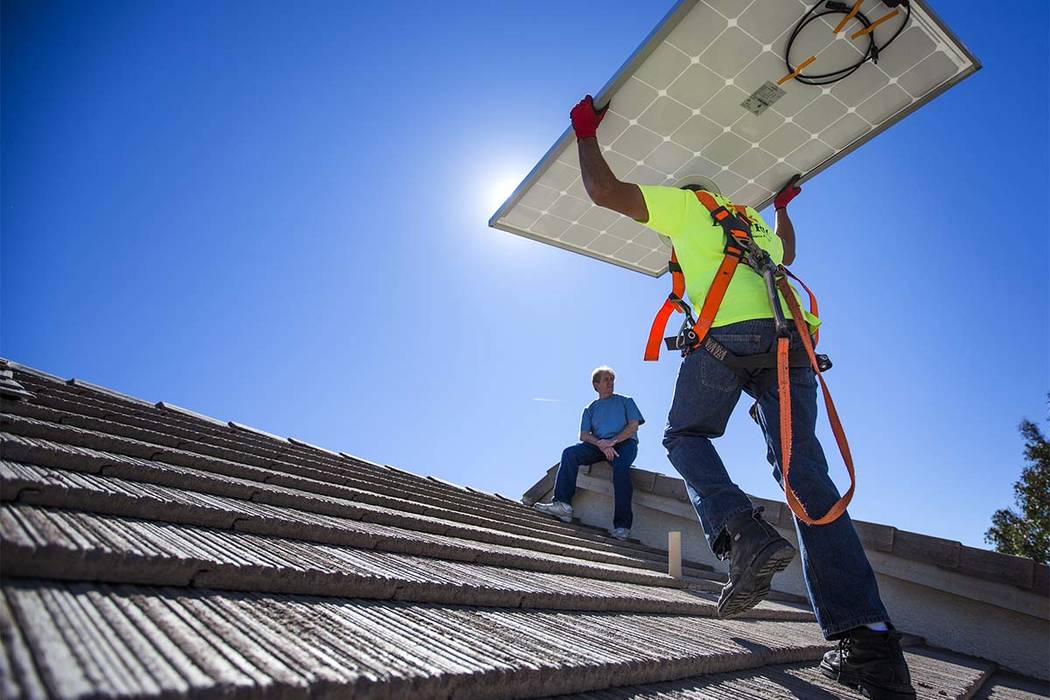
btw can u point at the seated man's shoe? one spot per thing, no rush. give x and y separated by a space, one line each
756 553
871 662
620 533
561 511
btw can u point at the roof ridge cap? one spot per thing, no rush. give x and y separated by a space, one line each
257 431
82 384
167 406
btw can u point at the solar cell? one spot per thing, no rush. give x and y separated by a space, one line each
708 95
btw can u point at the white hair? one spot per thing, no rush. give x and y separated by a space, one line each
599 371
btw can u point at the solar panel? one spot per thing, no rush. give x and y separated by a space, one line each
709 95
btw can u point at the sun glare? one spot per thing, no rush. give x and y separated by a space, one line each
496 191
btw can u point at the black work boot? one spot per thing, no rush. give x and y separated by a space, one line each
756 552
871 662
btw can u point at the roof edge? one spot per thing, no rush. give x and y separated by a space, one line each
949 555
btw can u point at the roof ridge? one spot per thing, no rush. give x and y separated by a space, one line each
950 554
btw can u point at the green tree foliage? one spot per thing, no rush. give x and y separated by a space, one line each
1027 534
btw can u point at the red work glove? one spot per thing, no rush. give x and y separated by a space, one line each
786 195
585 118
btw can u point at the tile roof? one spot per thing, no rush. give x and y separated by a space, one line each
148 550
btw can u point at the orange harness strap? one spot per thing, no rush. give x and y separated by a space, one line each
812 302
656 332
715 293
783 382
733 254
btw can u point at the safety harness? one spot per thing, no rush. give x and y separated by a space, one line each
740 246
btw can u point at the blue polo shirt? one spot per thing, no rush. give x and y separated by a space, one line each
605 418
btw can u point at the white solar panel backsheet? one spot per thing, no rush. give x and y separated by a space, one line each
677 113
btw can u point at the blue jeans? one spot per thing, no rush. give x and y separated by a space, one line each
839 579
585 453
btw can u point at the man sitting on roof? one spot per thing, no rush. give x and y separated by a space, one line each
839 579
608 431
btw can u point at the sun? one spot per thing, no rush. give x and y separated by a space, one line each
497 189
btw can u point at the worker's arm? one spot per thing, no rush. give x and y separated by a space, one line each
785 230
603 187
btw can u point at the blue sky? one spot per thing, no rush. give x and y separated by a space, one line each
279 216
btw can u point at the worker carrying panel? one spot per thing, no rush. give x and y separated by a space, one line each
718 256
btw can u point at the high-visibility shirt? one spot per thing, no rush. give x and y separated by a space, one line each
700 245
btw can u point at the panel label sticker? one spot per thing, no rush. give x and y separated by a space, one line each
762 98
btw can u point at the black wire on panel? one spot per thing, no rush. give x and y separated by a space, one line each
839 8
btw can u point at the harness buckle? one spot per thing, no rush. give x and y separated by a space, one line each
730 222
783 328
687 340
720 213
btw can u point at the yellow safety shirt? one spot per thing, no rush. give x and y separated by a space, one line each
700 245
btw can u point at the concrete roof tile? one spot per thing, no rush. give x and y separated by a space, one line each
458 592
91 416
668 487
925 548
242 641
231 455
71 545
259 518
538 490
34 372
19 674
939 674
187 478
1008 686
10 388
277 459
997 567
880 537
69 435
